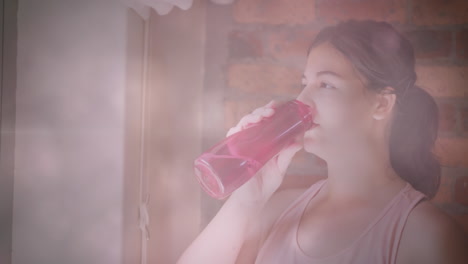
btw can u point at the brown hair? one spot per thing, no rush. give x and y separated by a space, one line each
386 59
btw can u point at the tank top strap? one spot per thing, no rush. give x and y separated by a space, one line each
390 227
279 247
377 244
380 241
298 206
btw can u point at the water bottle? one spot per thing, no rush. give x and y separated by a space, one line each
233 161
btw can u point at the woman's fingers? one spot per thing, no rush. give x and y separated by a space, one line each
273 172
271 104
232 130
286 155
249 119
264 111
244 123
256 116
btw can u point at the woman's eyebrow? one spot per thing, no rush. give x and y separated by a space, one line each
329 73
326 72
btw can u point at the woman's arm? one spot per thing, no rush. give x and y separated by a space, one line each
237 232
222 239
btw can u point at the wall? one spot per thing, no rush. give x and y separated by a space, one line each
257 51
172 138
8 12
87 130
131 244
70 117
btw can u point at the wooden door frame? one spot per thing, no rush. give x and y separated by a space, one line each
8 46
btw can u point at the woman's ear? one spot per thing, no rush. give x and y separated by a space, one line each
384 102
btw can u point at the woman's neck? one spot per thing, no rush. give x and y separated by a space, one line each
360 175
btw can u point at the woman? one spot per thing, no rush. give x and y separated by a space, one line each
375 129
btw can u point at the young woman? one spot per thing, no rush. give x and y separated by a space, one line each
375 129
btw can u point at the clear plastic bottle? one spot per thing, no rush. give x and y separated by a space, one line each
233 161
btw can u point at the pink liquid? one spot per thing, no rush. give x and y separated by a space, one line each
233 161
234 170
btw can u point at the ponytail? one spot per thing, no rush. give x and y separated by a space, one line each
412 138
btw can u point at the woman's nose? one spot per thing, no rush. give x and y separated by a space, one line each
307 97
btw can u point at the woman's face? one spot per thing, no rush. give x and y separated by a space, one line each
343 104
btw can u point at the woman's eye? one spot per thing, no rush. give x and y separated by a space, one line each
326 85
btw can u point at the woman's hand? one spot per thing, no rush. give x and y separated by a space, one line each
235 223
259 189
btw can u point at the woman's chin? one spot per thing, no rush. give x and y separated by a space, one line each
310 146
314 146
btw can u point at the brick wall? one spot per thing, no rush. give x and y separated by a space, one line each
257 51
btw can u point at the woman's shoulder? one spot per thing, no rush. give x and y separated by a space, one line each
431 236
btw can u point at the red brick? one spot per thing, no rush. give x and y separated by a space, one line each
245 44
274 12
462 44
264 78
380 10
452 152
281 44
464 117
447 117
235 110
443 81
440 12
461 190
430 43
444 194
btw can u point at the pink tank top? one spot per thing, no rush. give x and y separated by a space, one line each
378 244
